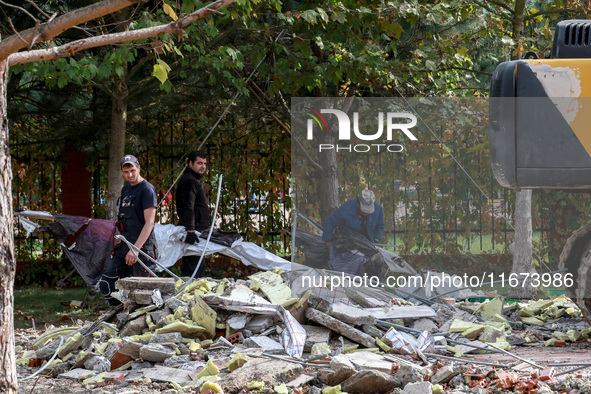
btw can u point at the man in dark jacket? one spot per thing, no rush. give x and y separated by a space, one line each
192 207
361 217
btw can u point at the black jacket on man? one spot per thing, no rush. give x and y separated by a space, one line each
192 202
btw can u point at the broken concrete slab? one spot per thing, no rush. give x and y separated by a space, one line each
350 314
424 324
141 297
165 285
266 343
77 373
300 380
156 353
369 360
444 375
259 323
417 388
315 334
170 337
243 293
167 374
340 327
238 321
364 300
134 327
270 371
370 381
401 312
131 348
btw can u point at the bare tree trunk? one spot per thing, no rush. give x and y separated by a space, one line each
522 258
328 180
8 382
117 143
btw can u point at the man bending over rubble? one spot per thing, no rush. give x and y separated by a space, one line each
135 221
350 233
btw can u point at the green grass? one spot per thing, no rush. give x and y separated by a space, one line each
52 306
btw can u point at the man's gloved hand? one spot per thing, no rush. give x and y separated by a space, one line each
192 238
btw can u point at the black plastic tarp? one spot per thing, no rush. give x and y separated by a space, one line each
87 243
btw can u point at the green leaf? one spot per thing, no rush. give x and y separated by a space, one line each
310 16
160 73
62 81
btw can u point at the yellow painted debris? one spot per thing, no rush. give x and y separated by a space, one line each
457 352
383 346
211 386
332 390
255 385
187 330
207 343
99 348
194 346
141 311
237 361
532 320
281 389
210 369
204 316
179 312
461 326
550 342
303 299
437 389
491 308
473 332
143 338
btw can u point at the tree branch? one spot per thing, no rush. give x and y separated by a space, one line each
20 9
115 38
62 23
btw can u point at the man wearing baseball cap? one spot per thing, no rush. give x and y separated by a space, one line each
359 217
135 221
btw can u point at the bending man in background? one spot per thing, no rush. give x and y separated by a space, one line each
350 233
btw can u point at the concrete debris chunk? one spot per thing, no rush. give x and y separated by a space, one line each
370 381
167 374
417 388
238 321
315 334
401 312
243 293
350 314
134 327
425 324
156 353
259 323
171 337
269 371
266 343
340 327
368 360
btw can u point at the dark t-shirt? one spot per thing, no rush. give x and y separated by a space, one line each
143 195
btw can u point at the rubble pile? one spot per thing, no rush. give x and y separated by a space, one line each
260 336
